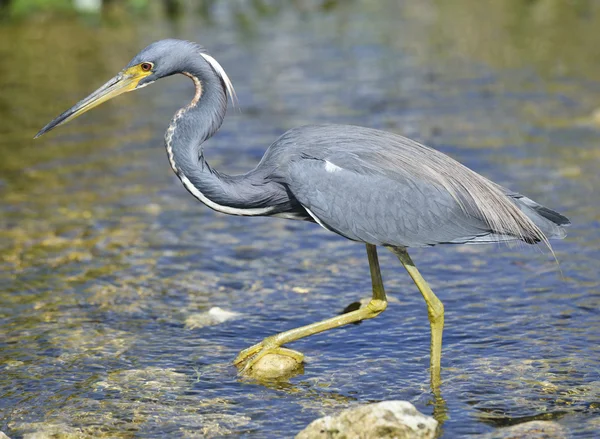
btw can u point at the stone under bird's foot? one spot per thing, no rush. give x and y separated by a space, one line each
268 360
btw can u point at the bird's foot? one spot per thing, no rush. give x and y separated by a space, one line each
248 359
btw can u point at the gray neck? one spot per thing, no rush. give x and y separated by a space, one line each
189 128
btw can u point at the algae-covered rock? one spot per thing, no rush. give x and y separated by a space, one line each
276 366
530 430
387 419
147 382
43 430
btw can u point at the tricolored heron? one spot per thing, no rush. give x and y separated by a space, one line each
366 185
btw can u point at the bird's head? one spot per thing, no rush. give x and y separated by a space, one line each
159 59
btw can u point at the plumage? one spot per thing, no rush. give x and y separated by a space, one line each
375 197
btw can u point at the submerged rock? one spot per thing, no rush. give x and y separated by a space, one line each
43 430
530 430
139 419
387 419
151 382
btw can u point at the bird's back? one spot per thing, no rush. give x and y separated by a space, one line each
382 188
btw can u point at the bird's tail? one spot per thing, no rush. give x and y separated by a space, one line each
550 222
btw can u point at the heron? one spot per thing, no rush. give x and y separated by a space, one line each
367 185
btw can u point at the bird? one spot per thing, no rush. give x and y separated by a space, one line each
370 186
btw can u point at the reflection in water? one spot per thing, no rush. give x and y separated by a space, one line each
440 409
104 256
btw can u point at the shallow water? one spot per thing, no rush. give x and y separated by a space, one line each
105 257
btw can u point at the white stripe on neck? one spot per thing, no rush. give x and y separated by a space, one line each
221 72
257 211
169 144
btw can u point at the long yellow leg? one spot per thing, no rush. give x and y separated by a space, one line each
248 357
435 310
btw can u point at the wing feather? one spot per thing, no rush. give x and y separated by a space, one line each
378 187
378 209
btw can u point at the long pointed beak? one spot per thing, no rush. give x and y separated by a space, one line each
122 83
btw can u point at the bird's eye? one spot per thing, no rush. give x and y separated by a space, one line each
146 66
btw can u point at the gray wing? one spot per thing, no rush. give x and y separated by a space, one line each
381 188
381 209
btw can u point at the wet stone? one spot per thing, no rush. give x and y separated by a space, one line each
387 419
530 430
213 316
3 436
276 366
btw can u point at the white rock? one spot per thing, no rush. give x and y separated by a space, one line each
213 316
221 315
387 419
